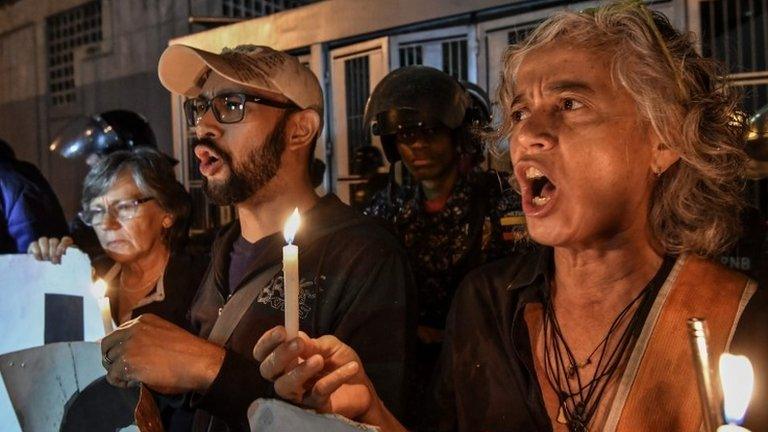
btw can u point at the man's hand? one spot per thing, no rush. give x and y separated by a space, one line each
161 355
49 249
329 380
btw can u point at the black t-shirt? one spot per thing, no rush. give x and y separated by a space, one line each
244 254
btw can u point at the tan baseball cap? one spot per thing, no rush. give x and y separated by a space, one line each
270 73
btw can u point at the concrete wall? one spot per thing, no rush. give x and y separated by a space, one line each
120 73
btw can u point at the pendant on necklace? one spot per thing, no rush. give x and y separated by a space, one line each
561 415
574 368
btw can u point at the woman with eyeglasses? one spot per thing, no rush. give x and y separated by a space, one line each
140 214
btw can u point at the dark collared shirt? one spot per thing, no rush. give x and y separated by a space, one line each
487 380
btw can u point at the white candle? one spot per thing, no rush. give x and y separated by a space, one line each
737 379
99 290
291 275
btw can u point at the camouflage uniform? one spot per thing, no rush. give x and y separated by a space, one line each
476 225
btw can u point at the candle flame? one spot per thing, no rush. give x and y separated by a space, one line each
291 226
99 288
737 379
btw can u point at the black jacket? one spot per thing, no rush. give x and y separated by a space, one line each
356 284
181 277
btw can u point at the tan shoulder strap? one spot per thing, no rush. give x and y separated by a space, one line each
664 395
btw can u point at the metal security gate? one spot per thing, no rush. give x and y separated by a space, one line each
451 50
736 33
355 71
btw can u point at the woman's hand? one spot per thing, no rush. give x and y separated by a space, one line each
50 249
331 378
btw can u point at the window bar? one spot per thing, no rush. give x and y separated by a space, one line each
764 13
356 100
753 36
464 61
455 59
712 24
726 44
445 57
740 61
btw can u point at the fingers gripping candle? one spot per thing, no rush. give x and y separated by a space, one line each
291 275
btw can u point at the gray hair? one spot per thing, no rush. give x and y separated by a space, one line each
153 174
695 204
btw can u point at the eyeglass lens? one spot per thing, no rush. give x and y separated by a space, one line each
122 211
226 108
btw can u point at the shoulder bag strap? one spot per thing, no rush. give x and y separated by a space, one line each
235 308
233 311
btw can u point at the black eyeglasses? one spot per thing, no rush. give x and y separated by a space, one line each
227 108
123 211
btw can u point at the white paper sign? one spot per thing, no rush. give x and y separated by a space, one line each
24 282
272 415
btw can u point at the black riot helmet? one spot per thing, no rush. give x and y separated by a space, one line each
479 112
102 134
415 97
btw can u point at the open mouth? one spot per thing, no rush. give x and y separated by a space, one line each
542 189
210 161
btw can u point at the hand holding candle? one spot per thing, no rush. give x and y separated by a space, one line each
737 379
291 276
99 290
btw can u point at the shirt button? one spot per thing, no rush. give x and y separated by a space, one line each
220 309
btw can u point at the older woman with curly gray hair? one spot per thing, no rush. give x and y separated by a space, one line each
140 214
628 151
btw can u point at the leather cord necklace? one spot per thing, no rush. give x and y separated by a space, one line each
579 398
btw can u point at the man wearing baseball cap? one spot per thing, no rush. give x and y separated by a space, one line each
257 113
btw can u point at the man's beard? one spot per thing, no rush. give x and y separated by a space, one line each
252 174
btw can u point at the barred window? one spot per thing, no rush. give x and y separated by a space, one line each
257 8
455 60
65 32
411 55
735 33
357 79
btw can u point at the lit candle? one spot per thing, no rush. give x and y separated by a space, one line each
291 275
99 290
737 379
